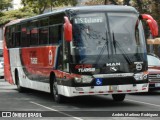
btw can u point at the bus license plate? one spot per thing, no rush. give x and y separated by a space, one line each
157 84
114 88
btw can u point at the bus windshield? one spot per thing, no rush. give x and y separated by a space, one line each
100 35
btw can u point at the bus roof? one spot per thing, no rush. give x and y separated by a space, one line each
13 22
109 8
114 8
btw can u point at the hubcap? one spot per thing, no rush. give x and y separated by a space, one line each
55 92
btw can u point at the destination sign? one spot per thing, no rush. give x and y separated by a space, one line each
88 20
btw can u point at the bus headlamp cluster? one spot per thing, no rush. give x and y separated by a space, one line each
140 76
83 79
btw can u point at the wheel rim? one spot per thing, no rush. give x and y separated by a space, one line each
55 91
18 85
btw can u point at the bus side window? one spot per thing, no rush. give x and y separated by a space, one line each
12 42
55 30
17 39
55 34
43 36
24 35
18 35
34 33
13 39
43 31
28 37
34 36
7 34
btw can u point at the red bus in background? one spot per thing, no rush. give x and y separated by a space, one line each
79 51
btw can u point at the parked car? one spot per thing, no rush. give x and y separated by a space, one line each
1 67
154 71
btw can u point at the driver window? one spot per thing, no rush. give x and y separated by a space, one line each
65 57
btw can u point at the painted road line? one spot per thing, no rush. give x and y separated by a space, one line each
143 102
77 118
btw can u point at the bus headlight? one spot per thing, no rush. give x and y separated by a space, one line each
141 76
77 80
83 79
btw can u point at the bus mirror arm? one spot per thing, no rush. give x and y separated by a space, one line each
151 23
67 30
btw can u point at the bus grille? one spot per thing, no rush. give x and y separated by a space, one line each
154 77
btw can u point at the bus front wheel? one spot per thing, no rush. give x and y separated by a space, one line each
57 97
118 97
19 88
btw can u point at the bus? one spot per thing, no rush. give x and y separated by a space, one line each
78 51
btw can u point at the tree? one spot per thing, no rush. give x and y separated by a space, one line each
5 4
12 15
106 2
38 6
31 8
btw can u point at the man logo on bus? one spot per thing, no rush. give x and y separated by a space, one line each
50 57
138 65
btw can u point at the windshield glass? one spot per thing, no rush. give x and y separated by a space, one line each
98 36
153 61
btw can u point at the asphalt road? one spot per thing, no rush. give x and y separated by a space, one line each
37 105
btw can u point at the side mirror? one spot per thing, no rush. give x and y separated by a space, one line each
151 23
67 30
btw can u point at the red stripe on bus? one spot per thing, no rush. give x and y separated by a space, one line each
128 90
143 88
101 92
110 91
119 90
91 92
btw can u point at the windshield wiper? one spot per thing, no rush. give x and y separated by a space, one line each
107 41
103 49
116 44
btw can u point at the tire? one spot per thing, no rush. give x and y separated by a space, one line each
118 97
19 88
57 97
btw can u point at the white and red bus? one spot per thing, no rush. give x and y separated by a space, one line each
79 51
